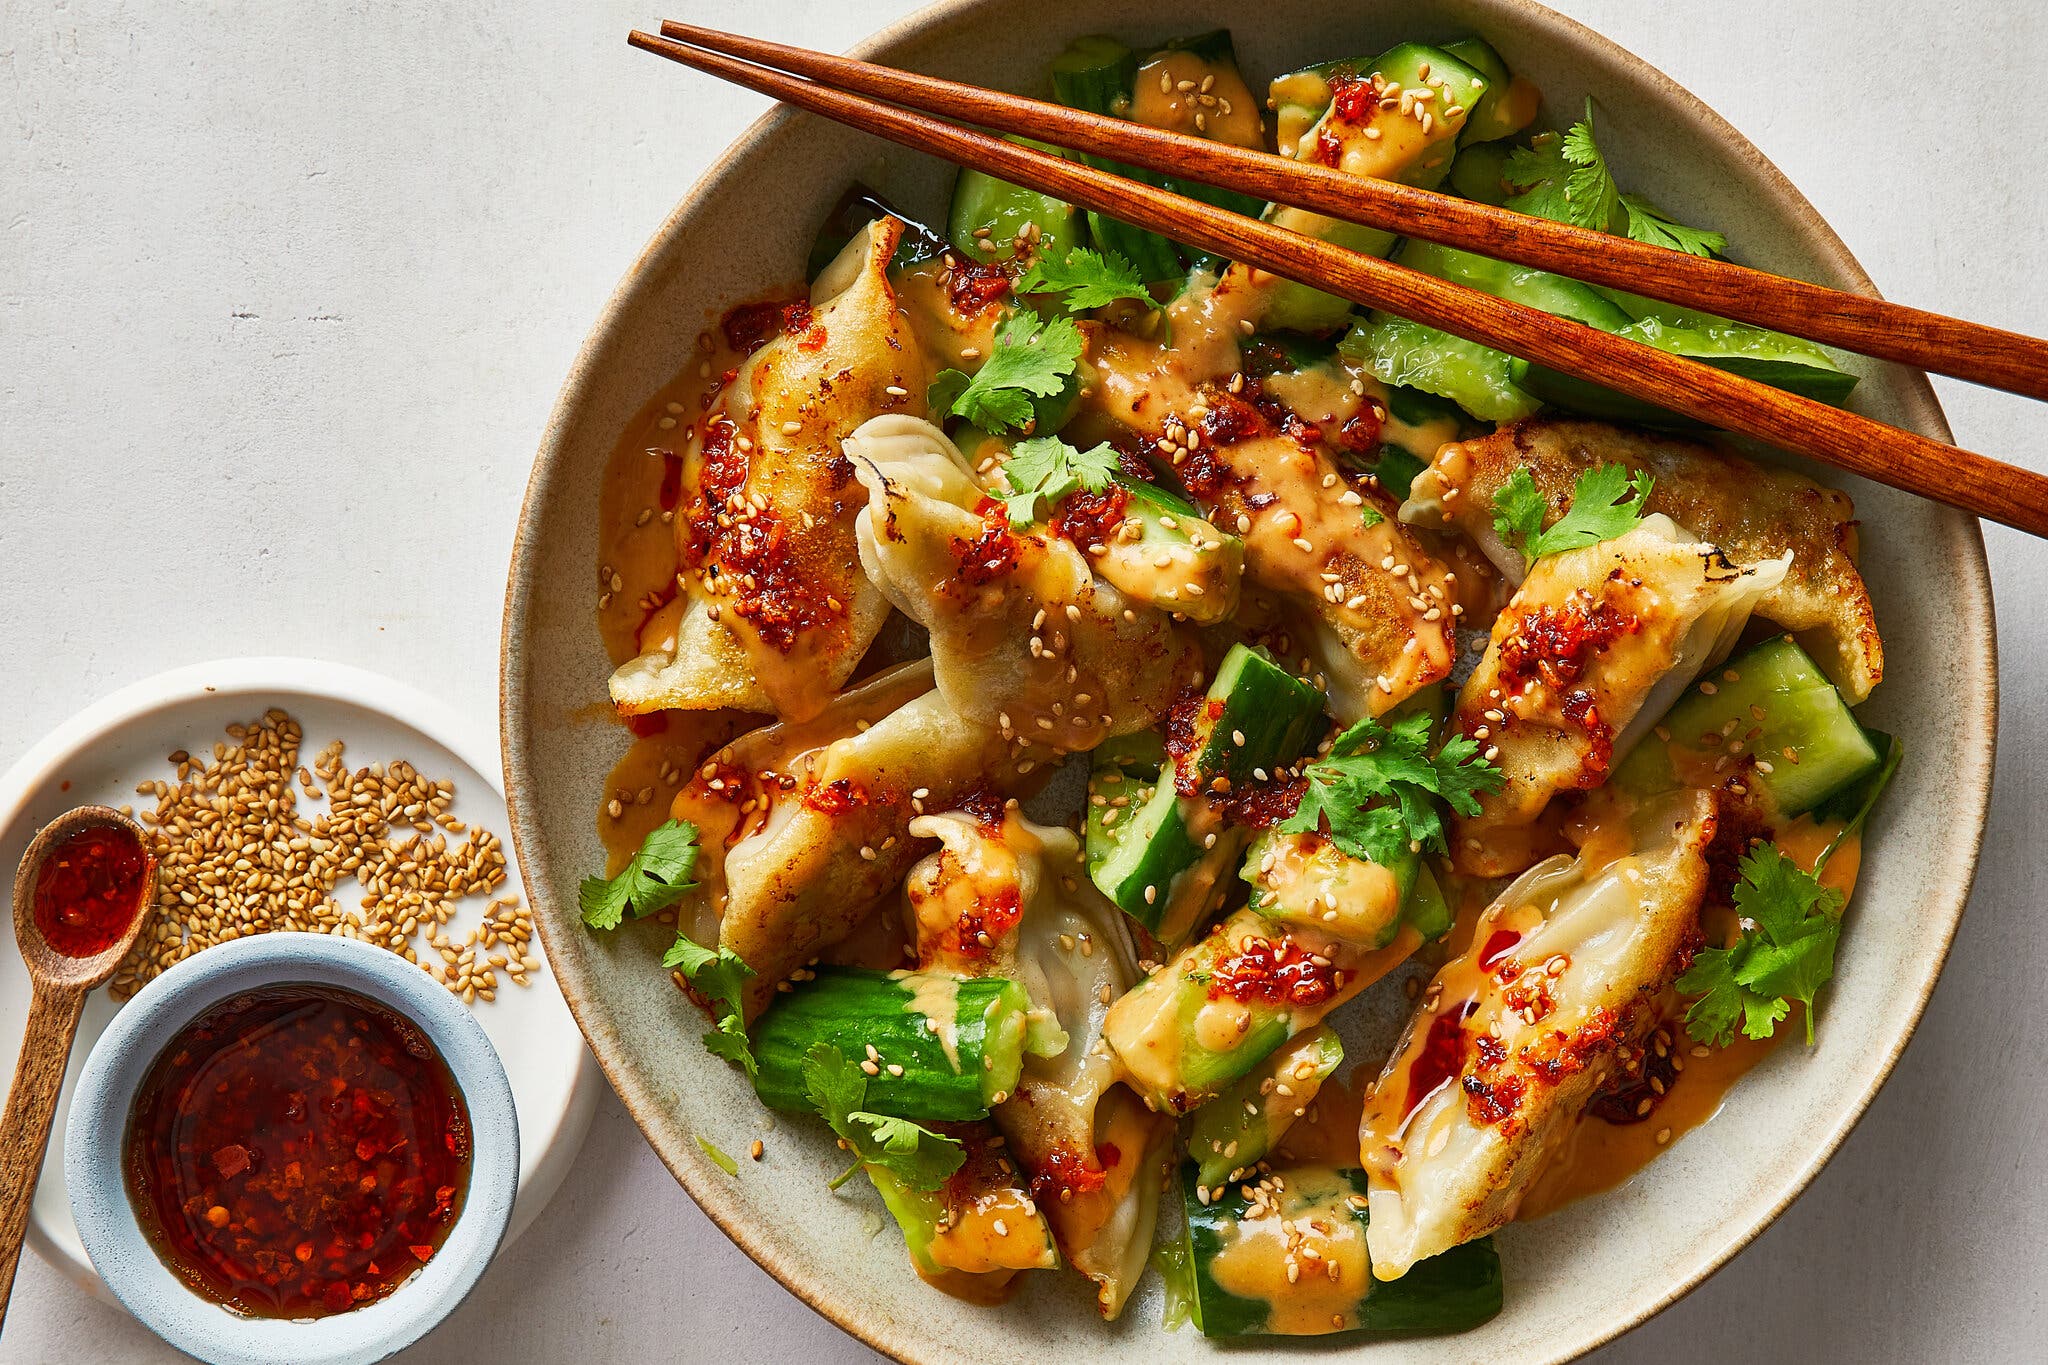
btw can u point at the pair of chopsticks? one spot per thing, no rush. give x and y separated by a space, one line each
852 92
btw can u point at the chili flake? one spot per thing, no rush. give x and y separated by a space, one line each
297 1151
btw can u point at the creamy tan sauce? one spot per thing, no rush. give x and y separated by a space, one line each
937 998
1182 93
1307 1265
1598 1155
656 768
972 1244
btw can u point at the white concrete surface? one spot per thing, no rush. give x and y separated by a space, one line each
286 292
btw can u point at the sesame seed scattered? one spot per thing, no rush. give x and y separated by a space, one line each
237 855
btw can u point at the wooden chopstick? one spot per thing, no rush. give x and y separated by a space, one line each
1873 327
1902 459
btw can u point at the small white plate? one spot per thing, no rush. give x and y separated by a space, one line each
103 751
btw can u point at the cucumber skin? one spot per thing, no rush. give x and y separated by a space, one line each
1411 355
1451 1292
852 1007
1276 711
1223 1121
1093 74
981 200
1560 390
1426 908
1834 751
1154 845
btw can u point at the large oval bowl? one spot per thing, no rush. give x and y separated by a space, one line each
1575 1279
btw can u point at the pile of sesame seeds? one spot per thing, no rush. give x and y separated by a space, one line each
237 856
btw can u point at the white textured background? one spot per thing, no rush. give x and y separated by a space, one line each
286 291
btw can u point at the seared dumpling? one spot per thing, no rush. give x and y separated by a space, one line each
1592 650
1752 511
1006 897
804 827
774 611
1362 597
1514 1036
1026 639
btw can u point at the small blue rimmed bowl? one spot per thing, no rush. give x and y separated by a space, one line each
95 1143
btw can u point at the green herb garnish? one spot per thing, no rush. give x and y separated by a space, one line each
912 1153
1089 279
1786 953
721 977
1375 789
1607 501
656 878
718 1158
1027 361
1567 180
1047 468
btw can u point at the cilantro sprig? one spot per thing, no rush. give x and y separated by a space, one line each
1027 360
657 877
1089 279
914 1154
1567 180
720 976
1791 924
1376 790
1607 501
1045 468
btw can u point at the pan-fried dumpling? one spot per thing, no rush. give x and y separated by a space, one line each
1514 1036
1025 638
1367 602
804 826
1752 511
1012 898
1591 651
774 610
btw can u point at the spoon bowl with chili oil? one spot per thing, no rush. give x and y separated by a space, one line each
86 885
265 1079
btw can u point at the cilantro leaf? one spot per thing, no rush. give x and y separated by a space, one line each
1567 180
1786 952
1089 279
1554 186
1026 361
1589 186
1518 510
1607 501
1370 516
912 1153
1463 775
721 977
1647 223
656 878
1376 789
1047 467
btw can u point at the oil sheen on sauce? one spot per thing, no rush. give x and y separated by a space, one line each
297 1151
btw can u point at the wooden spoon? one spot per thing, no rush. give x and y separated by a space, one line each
60 985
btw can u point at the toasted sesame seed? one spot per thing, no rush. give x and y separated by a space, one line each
237 856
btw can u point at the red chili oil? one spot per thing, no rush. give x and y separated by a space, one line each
297 1151
90 888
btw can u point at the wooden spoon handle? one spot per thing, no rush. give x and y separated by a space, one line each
25 1126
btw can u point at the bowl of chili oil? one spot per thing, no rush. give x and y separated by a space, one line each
292 1146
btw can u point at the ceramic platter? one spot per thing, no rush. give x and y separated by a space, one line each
1575 1278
